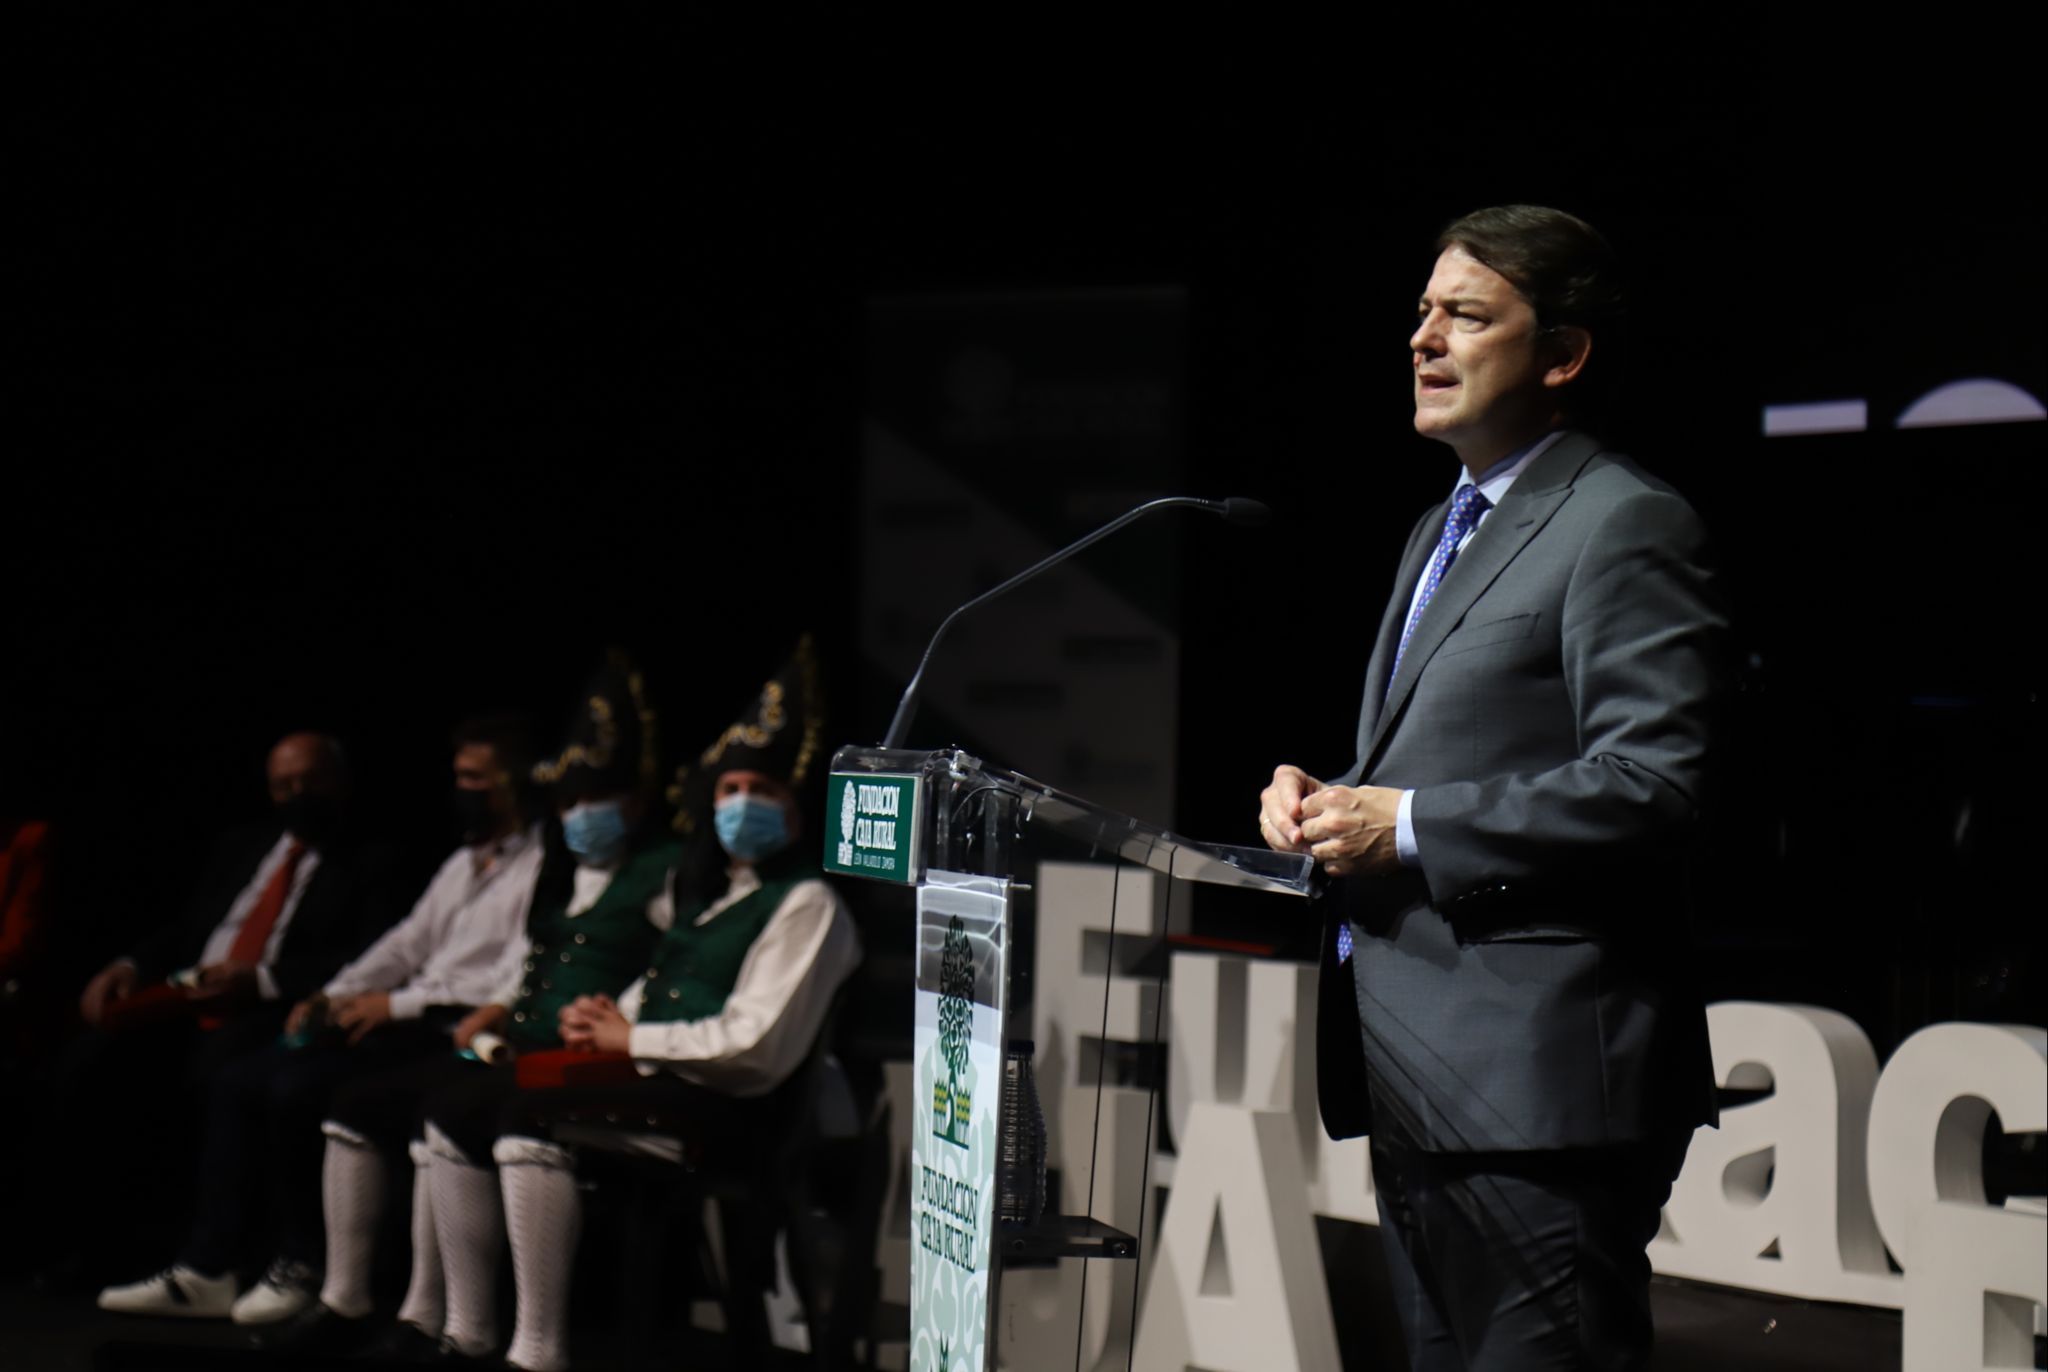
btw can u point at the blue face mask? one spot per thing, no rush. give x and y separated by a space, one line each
595 832
751 827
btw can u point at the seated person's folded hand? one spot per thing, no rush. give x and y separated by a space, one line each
225 981
594 1024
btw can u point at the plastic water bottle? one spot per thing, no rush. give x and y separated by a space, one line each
1020 1142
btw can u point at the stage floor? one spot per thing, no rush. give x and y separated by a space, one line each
1699 1329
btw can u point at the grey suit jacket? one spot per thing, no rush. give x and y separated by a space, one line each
1555 715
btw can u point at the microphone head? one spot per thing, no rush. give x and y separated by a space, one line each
1250 513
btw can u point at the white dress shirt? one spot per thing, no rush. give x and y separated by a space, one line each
778 1004
222 939
1493 485
449 949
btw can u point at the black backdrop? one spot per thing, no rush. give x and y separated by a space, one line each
374 367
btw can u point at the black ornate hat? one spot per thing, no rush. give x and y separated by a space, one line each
780 733
611 743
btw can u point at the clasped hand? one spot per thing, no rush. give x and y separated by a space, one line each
225 981
594 1024
1349 830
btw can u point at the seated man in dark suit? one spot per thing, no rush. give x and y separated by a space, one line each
279 908
283 931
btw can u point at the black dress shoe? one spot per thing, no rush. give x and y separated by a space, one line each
320 1330
406 1345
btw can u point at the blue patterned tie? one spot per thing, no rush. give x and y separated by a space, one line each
1467 505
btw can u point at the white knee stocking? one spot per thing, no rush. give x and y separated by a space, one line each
470 1227
544 1217
351 1197
426 1305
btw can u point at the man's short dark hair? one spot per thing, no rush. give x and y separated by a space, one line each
1567 273
509 736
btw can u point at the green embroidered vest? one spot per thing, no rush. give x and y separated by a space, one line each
594 953
696 965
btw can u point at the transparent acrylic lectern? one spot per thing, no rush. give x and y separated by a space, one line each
966 837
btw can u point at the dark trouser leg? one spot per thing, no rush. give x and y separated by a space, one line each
663 1103
246 1031
120 1134
1410 1274
1524 1260
385 1108
232 1162
467 1111
108 1144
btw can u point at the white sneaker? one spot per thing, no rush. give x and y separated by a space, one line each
286 1289
174 1291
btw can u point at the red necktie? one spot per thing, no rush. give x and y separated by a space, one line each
254 935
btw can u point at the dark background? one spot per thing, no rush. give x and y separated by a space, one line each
371 367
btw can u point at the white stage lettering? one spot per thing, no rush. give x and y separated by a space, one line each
1975 1273
1775 1198
1798 1193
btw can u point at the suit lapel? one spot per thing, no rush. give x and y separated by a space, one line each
1421 545
1521 515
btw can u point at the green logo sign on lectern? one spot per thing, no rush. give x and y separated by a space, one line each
953 1098
871 825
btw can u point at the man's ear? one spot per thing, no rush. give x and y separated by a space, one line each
1570 346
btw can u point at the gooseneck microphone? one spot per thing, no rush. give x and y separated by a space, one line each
1237 510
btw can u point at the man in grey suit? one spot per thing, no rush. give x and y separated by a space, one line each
1506 940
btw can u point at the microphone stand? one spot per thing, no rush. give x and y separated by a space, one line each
1236 509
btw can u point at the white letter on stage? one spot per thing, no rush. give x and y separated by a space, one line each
1782 1176
1236 1281
1069 1026
1249 1039
1237 1277
1973 1272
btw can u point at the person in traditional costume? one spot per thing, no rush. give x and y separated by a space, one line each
706 1044
600 904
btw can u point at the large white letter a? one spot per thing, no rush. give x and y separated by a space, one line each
1238 1273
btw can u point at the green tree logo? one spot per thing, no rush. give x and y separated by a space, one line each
953 1103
